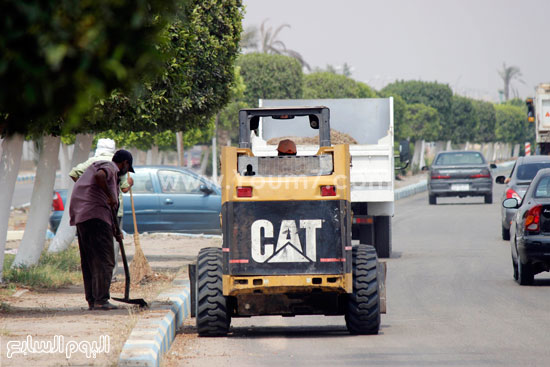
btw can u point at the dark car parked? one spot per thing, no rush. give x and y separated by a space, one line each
166 199
530 229
522 174
460 173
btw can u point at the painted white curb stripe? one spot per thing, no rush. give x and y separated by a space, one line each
153 336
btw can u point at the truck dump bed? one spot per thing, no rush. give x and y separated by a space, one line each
369 122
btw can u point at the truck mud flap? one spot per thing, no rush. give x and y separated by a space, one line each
192 270
382 270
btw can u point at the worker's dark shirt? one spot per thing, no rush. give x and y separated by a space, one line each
88 201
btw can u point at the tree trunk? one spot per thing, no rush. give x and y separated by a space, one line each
64 166
155 156
12 150
33 240
179 143
215 151
204 163
65 232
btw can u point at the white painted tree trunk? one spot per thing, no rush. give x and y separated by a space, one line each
155 156
416 155
215 153
65 232
64 166
179 144
12 150
204 163
422 161
33 240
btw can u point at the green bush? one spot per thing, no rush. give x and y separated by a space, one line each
52 271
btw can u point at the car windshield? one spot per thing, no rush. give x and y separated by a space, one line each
543 188
526 172
459 158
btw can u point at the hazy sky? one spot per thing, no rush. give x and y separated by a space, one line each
459 42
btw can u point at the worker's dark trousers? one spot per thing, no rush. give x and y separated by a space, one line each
97 258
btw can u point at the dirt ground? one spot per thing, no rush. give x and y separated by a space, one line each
61 317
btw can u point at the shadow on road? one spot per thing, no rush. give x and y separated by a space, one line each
267 332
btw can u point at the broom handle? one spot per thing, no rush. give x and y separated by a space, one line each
136 234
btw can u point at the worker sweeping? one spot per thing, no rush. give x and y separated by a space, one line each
104 152
94 198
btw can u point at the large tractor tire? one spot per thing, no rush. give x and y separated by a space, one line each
382 236
213 318
363 308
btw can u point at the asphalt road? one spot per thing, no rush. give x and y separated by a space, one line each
452 301
23 192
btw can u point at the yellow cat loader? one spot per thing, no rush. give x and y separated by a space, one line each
286 224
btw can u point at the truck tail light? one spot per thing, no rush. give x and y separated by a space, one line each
57 202
510 193
328 190
244 192
532 219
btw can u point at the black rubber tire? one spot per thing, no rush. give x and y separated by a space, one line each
489 199
383 236
363 308
432 199
213 318
525 273
505 234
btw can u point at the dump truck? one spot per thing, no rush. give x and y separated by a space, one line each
367 123
287 247
538 112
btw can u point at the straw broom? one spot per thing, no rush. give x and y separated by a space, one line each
139 267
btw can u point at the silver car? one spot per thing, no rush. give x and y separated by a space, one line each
523 172
460 173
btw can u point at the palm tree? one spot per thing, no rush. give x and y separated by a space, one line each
508 75
249 38
269 43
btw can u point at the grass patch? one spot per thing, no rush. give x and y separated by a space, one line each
52 271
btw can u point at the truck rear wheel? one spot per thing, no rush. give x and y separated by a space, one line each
363 308
213 317
382 236
432 199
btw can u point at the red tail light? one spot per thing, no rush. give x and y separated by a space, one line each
483 174
328 190
532 219
57 202
438 176
510 193
244 192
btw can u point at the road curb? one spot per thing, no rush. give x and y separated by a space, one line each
153 335
32 177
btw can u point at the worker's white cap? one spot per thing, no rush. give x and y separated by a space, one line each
105 146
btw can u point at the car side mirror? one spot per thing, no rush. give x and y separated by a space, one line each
207 190
511 203
500 179
493 166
